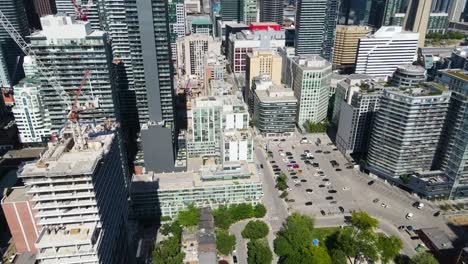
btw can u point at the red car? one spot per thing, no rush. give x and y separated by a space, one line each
290 166
295 166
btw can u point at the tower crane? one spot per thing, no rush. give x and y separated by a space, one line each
65 98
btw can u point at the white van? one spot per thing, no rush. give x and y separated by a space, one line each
409 216
420 206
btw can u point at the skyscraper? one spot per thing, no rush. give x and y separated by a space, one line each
271 11
11 70
67 48
346 44
407 142
315 27
311 82
456 9
381 53
79 198
249 11
232 10
454 159
417 18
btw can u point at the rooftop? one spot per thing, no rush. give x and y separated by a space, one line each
69 235
393 32
311 62
25 153
65 157
200 20
459 74
210 175
438 238
276 93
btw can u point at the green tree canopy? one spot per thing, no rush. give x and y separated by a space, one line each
260 211
338 257
363 221
282 182
424 258
241 211
168 252
258 252
389 247
189 217
225 242
255 229
293 240
222 217
358 244
319 255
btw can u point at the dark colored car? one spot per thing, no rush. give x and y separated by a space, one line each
332 191
437 213
322 185
303 180
234 259
275 139
376 200
315 165
310 158
370 183
334 149
275 166
292 173
318 151
337 169
341 209
329 198
277 173
349 167
292 161
294 177
326 152
283 139
290 200
272 161
307 162
276 169
261 166
309 191
325 179
308 203
322 212
333 202
288 153
401 227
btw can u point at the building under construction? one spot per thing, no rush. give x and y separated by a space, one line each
79 197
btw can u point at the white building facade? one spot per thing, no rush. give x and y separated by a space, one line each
191 52
29 113
311 85
380 54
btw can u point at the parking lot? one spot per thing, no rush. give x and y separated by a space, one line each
347 189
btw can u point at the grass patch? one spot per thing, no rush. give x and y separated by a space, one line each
326 236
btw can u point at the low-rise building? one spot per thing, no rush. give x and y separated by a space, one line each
275 107
202 185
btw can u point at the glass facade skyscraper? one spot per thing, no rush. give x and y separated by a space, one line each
315 27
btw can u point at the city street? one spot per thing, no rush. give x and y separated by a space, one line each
347 188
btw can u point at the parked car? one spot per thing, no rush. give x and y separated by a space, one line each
322 185
322 212
371 182
318 151
283 139
309 191
337 169
297 185
332 191
325 179
326 152
261 166
341 209
308 203
437 213
272 161
296 166
376 200
303 180
329 198
294 177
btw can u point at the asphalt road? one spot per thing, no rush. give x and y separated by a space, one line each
360 195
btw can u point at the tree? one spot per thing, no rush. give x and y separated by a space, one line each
294 238
173 228
222 217
338 257
363 221
255 229
189 217
402 259
260 211
282 182
225 242
258 252
241 211
320 255
358 244
389 247
168 252
424 258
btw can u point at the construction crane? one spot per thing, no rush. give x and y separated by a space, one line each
25 47
74 115
81 12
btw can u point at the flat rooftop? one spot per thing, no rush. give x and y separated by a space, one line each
69 235
275 94
311 62
438 238
25 153
64 157
191 179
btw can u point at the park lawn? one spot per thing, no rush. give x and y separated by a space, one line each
322 234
